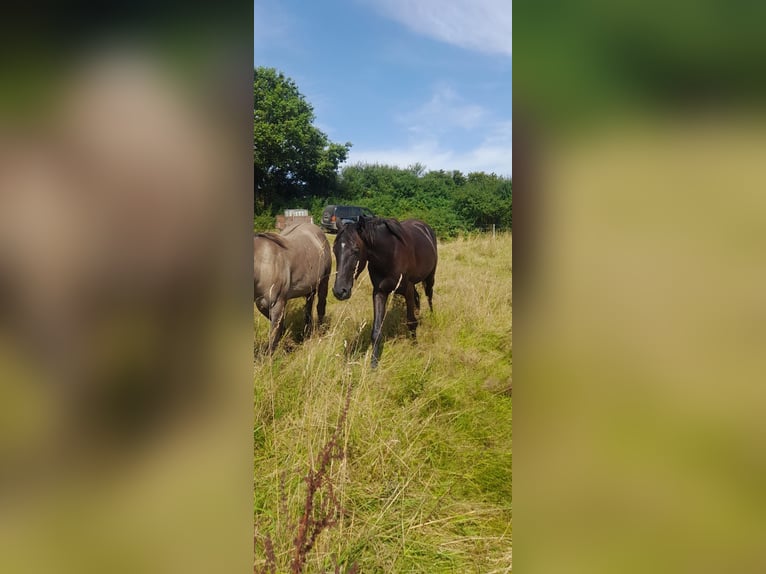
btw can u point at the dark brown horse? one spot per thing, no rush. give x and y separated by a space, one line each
296 263
399 255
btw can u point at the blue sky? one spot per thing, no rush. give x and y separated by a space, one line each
404 81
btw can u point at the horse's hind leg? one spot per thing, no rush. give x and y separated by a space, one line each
410 297
429 286
379 300
322 297
277 316
308 312
263 306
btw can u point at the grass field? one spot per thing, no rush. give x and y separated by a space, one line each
402 469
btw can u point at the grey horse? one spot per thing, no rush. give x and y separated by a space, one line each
294 263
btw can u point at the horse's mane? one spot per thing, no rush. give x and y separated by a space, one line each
273 237
391 224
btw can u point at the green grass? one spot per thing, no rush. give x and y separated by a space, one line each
425 485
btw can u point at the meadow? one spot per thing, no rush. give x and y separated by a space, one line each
406 468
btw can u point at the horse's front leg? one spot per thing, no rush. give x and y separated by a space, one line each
379 301
277 317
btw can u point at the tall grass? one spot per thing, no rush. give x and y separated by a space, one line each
421 479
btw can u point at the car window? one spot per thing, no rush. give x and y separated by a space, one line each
351 212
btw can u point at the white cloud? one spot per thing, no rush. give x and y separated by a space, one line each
493 154
444 111
437 131
481 25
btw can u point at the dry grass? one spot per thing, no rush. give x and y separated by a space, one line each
424 480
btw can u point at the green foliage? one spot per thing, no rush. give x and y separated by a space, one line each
292 158
297 166
264 222
450 202
484 200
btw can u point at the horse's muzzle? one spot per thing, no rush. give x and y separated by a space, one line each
341 294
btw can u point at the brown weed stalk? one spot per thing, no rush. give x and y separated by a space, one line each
270 567
321 508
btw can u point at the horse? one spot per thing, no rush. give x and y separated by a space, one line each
295 263
399 255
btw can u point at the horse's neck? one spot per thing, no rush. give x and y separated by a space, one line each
377 257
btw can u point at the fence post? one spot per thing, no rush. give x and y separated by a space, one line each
493 231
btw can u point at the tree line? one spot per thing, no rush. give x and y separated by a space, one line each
297 166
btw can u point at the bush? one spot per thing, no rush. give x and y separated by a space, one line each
452 203
264 222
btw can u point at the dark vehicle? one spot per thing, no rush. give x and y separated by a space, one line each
335 216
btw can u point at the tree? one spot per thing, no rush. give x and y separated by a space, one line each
291 157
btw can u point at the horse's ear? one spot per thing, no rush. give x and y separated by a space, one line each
360 223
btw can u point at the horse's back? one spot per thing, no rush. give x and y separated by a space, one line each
306 231
421 226
424 247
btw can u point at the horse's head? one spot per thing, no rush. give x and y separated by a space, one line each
350 258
